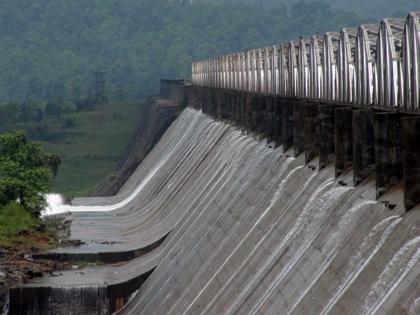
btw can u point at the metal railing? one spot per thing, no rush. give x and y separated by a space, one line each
373 65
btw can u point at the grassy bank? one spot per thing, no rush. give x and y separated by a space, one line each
93 146
14 220
18 226
89 143
21 236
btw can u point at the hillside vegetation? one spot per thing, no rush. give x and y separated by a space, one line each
90 143
52 48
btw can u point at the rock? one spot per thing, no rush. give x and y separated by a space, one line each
28 257
34 272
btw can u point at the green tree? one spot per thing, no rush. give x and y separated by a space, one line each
25 171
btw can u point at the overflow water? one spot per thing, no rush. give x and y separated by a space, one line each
263 242
251 230
401 263
369 247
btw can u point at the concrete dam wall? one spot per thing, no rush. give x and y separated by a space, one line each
224 217
290 185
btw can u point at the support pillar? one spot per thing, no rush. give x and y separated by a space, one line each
411 161
326 121
363 145
261 119
255 114
277 121
287 123
298 127
238 108
343 139
269 118
249 110
388 151
229 105
222 112
208 103
243 111
200 97
311 137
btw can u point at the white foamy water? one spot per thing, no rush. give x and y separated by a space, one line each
308 226
402 262
415 307
334 243
57 207
259 158
366 251
273 200
56 203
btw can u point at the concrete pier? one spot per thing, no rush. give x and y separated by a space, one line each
277 122
269 118
249 103
220 105
411 161
237 108
287 123
388 151
231 104
326 125
311 131
243 110
298 127
261 116
363 145
343 139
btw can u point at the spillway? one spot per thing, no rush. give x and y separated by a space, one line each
287 238
242 228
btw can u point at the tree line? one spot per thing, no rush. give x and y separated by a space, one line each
26 170
49 50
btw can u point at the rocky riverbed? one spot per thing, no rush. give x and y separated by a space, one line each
17 263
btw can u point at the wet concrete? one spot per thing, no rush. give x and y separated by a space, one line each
326 125
388 152
250 228
363 145
411 161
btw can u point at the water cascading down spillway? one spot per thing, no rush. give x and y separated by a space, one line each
251 230
255 202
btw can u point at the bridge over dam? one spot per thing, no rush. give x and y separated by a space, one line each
290 184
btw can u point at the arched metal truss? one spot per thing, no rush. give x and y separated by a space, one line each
411 61
316 55
366 77
389 63
372 65
330 65
346 65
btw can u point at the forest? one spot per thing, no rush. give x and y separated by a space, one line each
49 50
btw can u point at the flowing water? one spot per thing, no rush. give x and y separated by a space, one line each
254 231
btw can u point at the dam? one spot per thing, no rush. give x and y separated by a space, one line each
289 183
